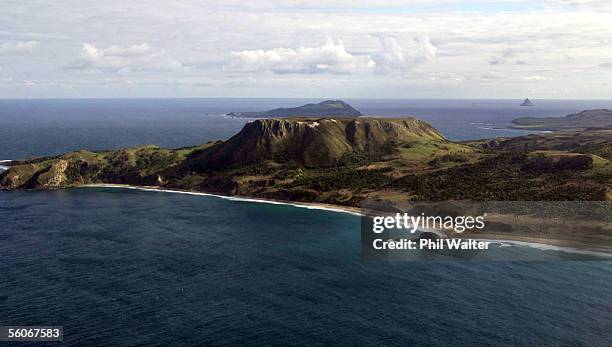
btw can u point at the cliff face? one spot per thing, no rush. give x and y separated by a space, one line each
130 166
32 176
315 142
345 161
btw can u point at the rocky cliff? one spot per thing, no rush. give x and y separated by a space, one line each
315 141
344 161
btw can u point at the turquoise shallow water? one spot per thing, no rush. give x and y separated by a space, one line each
127 267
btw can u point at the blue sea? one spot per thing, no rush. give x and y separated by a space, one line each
46 127
127 267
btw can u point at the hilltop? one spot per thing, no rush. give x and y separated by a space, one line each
590 119
346 161
328 108
315 141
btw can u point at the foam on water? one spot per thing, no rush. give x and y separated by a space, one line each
195 271
231 198
502 243
545 247
2 167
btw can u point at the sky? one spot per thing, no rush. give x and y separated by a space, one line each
550 49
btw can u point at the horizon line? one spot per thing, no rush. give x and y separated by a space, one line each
294 98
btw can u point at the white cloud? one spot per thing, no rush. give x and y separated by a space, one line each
497 61
533 78
509 52
392 56
400 58
597 5
334 58
190 44
329 58
123 59
12 47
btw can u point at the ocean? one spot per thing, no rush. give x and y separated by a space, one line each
128 267
46 127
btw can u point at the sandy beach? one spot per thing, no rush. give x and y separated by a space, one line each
573 246
308 205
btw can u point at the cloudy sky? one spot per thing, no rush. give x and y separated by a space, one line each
272 48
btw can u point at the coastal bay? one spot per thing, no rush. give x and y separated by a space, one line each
133 258
136 258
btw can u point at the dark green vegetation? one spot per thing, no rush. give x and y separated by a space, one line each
328 108
585 120
345 161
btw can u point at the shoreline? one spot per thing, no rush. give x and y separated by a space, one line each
559 245
570 246
307 205
2 167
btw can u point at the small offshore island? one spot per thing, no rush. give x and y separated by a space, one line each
328 108
528 103
345 161
585 120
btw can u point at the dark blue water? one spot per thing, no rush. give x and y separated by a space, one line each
121 267
46 127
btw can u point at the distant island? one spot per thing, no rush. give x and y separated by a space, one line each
328 108
585 120
527 102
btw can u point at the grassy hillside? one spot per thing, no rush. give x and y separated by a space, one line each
346 161
313 142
